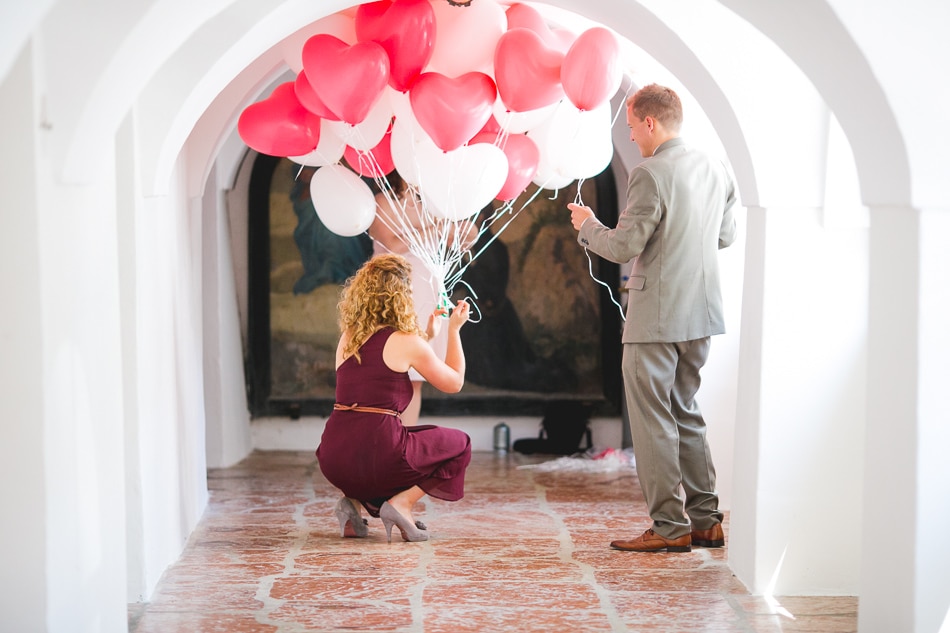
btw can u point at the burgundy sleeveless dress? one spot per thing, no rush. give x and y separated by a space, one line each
372 456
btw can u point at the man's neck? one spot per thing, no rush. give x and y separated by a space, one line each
662 138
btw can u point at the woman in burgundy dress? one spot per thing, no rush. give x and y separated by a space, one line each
365 450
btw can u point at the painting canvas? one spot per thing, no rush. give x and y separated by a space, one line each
538 333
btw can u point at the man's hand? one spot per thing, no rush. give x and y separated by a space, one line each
579 214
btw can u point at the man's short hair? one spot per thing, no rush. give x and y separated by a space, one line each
659 102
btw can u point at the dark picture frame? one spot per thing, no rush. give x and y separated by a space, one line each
603 398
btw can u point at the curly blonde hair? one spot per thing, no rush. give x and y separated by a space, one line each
379 295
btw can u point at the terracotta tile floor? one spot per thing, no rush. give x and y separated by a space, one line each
525 550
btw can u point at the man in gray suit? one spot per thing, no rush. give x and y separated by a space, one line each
679 213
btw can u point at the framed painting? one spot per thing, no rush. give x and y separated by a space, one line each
545 330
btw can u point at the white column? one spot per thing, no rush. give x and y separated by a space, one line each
932 576
227 419
905 574
23 574
798 457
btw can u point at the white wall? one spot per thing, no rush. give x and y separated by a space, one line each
932 575
907 375
23 575
284 434
79 411
227 419
170 385
810 392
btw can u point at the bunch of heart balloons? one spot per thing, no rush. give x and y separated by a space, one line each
468 103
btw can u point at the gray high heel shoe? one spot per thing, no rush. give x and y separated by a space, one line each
348 515
410 532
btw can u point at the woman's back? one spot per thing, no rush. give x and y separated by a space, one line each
369 382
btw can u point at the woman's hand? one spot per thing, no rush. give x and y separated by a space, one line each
459 314
434 326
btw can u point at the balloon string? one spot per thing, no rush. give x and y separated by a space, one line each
590 269
496 216
590 263
443 246
622 107
437 242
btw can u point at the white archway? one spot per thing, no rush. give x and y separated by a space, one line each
122 110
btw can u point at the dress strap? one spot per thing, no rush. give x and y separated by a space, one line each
355 407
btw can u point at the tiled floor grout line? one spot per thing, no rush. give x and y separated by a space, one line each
416 601
263 615
566 553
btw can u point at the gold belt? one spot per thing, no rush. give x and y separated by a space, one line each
355 407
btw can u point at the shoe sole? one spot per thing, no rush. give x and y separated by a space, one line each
669 548
710 544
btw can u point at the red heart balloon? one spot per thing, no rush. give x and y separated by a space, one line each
279 125
523 158
406 29
527 72
491 125
451 111
375 163
347 79
309 99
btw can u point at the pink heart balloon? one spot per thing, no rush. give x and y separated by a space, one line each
406 29
347 79
279 125
524 16
491 125
466 37
591 72
527 72
309 99
375 163
451 111
523 157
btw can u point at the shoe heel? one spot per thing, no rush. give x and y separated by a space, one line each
388 524
390 516
342 518
347 514
679 548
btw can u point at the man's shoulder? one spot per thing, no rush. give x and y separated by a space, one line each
678 154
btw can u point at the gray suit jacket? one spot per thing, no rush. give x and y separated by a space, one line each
680 212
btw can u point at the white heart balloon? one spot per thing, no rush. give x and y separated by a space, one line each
366 134
328 151
591 147
343 202
573 144
460 183
399 102
550 178
518 122
407 144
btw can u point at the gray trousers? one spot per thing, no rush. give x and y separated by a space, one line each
669 434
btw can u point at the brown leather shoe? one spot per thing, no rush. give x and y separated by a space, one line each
713 537
650 541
